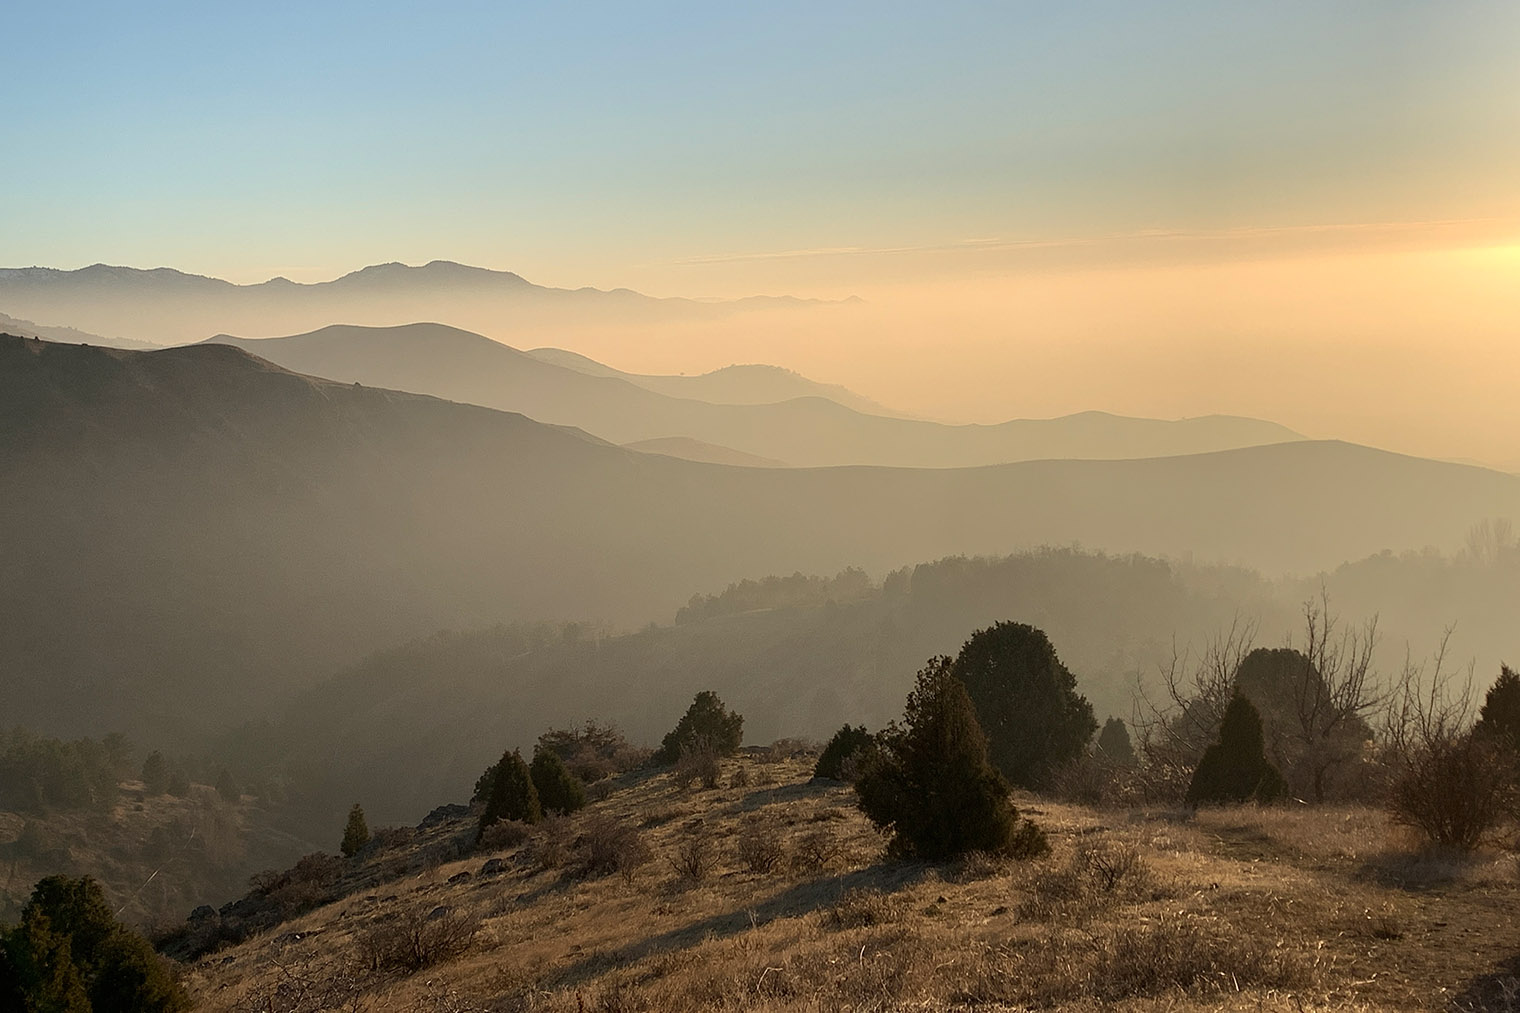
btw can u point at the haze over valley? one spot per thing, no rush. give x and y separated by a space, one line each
777 507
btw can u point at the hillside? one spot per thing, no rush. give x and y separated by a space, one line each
166 306
1232 909
737 384
809 431
27 329
191 535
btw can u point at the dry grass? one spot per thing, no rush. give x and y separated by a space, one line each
1149 910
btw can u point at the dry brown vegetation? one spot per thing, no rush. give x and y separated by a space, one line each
780 898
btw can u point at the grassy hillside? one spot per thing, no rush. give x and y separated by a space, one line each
1235 909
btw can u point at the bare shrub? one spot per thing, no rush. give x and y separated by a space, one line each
861 907
608 846
692 860
1099 874
1446 783
740 777
551 844
594 751
308 985
816 848
1186 954
760 848
504 834
699 760
414 940
600 791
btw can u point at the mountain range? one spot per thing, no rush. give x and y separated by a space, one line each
806 429
165 306
192 533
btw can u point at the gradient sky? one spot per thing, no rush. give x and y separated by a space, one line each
1189 169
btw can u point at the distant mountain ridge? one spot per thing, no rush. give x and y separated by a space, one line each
805 431
742 383
192 534
27 329
168 306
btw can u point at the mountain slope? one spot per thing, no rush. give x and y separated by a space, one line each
738 384
168 306
27 329
805 431
191 534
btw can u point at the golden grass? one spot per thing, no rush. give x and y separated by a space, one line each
1245 909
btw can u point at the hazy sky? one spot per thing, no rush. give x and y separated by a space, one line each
1016 180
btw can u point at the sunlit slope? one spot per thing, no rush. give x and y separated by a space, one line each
805 431
189 531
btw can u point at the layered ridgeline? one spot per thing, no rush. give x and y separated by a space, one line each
166 306
739 384
808 431
190 534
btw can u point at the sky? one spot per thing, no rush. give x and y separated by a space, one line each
1231 199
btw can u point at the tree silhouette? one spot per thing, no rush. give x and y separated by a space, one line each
1235 769
1026 700
930 785
356 833
512 795
707 718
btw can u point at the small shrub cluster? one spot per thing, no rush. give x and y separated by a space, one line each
415 940
698 762
504 834
844 754
607 845
760 849
860 908
1098 875
692 859
593 751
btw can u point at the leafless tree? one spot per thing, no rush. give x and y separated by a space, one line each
1332 697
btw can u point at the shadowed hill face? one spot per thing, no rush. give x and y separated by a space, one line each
195 532
808 431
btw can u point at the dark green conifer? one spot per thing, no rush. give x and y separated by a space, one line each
512 795
930 784
706 720
1235 769
356 833
847 742
559 791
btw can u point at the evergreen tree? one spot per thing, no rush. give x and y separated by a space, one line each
1114 744
1235 769
930 784
1026 700
706 718
847 742
227 788
71 955
155 774
559 791
512 795
1499 720
356 833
